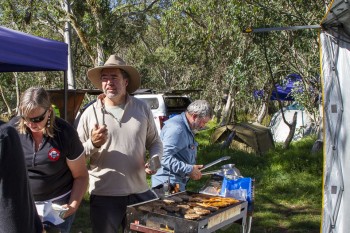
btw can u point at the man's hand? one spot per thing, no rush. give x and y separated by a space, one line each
148 170
196 173
99 135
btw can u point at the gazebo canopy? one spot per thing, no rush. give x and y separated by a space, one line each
21 52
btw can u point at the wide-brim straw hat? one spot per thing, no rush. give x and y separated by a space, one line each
114 61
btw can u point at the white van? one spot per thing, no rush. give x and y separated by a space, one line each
163 105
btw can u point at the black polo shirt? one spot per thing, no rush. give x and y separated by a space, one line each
48 172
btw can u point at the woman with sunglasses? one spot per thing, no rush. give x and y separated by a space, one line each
54 155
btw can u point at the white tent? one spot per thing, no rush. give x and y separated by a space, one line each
280 130
335 68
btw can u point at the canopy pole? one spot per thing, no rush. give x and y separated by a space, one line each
257 30
65 95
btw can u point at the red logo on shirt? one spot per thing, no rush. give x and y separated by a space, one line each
54 154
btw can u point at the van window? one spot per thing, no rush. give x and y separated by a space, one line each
153 103
177 102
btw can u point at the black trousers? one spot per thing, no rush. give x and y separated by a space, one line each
107 213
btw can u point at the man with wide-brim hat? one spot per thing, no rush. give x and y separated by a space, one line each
116 130
114 61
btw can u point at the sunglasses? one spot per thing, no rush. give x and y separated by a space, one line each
37 119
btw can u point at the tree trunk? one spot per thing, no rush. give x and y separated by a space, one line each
262 113
294 122
292 127
218 112
317 146
5 102
227 111
232 116
17 90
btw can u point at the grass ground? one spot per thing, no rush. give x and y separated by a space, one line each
288 187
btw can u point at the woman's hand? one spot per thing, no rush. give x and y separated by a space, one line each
70 210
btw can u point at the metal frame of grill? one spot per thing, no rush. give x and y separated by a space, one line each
150 222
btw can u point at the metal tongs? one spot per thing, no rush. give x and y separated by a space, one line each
211 172
215 162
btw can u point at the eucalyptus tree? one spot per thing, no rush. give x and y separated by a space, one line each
152 54
100 27
288 52
207 38
21 15
184 44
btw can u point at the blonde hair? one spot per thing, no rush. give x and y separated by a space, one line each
32 98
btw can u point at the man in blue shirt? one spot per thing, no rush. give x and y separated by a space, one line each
180 148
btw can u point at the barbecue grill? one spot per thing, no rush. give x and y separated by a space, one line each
139 219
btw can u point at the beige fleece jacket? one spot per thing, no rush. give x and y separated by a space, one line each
118 167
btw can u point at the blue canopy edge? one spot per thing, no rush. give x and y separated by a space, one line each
21 52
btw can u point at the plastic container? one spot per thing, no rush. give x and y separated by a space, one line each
230 171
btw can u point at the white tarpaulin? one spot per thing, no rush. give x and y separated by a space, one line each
335 68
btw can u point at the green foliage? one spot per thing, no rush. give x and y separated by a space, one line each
184 44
